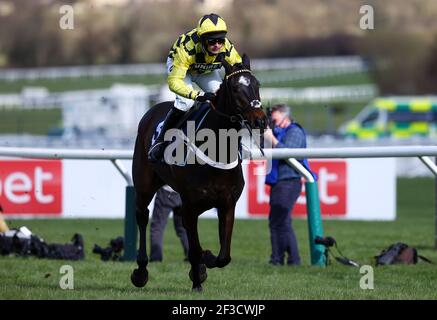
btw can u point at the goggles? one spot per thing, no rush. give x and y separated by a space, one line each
212 42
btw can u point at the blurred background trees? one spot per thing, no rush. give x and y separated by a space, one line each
402 49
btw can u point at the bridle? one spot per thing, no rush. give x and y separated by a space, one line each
228 94
237 72
239 116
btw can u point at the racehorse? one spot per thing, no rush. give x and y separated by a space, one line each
201 186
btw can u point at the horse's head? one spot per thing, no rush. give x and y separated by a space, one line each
241 90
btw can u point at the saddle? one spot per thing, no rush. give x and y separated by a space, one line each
197 113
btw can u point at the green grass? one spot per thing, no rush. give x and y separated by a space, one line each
58 85
336 80
248 276
38 121
316 118
319 118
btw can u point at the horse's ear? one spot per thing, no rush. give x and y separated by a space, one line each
246 61
227 66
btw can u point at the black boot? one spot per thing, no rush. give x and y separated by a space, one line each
156 151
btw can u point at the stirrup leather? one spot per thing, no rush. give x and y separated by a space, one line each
157 149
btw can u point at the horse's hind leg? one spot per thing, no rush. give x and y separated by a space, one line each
146 184
139 276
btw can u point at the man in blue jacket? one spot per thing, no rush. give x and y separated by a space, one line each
285 185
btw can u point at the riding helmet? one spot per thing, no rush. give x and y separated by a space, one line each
212 26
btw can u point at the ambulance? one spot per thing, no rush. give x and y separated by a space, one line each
396 117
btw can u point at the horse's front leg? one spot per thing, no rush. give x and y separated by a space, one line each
226 225
140 276
198 271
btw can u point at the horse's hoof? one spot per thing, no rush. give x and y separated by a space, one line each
203 274
209 259
223 262
139 279
197 289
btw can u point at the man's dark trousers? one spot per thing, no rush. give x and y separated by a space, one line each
165 202
283 196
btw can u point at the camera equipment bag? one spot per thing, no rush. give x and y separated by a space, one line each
23 242
399 253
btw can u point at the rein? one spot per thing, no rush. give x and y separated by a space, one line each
233 118
238 117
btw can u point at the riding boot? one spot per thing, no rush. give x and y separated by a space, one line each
156 151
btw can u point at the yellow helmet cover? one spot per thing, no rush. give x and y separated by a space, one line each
211 24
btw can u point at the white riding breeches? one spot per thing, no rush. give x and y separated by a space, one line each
209 82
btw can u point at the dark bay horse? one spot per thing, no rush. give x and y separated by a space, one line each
201 186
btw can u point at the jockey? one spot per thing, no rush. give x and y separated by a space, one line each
197 57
